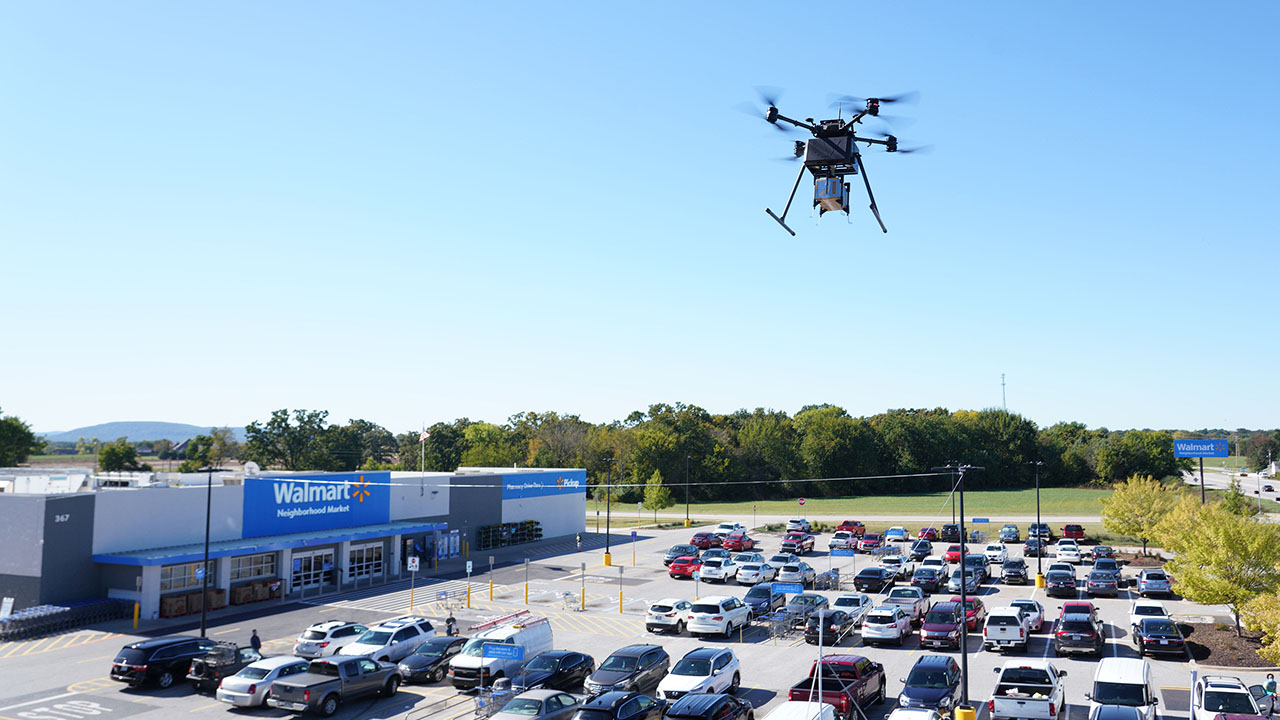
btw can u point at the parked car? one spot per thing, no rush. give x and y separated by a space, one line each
830 626
781 559
1101 582
749 557
668 615
938 563
968 577
719 570
974 611
941 627
1108 564
921 549
249 687
1067 551
885 623
1154 582
326 638
870 542
1028 688
679 551
897 533
853 526
702 670
1214 695
329 682
1078 606
684 567
1041 531
950 533
1102 551
801 572
873 580
912 600
704 540
1010 534
159 660
1067 568
543 704
391 640
739 542
899 566
927 579
620 705
799 525
729 528
555 670
928 533
762 600
855 604
1060 584
718 615
1014 572
1159 635
797 542
1142 609
1006 628
634 668
978 563
844 682
1033 610
713 553
1079 633
952 555
1034 547
430 662
996 553
753 573
1075 532
710 706
801 606
470 668
222 660
933 682
842 540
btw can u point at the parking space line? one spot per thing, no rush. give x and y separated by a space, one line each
35 645
205 707
227 632
16 647
96 659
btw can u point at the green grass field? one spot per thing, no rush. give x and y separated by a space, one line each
977 503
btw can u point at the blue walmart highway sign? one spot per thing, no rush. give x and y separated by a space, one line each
1200 448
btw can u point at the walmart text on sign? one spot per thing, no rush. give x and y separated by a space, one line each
275 505
1200 448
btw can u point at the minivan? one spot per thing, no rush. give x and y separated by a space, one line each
469 668
1124 681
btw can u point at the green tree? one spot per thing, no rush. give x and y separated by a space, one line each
1235 501
17 442
119 455
290 444
1262 448
1262 614
1229 560
656 495
490 445
1139 452
1136 507
1177 529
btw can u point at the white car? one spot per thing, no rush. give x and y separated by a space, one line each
728 528
719 570
885 623
903 713
1063 566
704 670
938 563
1144 609
856 604
1222 694
755 572
842 540
248 688
898 565
668 615
391 640
748 557
783 559
996 553
798 572
1033 610
326 638
1068 551
718 615
799 525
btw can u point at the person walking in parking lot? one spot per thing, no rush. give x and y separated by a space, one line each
450 625
1270 685
255 642
579 538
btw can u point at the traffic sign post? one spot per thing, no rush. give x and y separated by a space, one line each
413 573
638 507
490 578
1200 449
619 589
468 584
584 587
633 549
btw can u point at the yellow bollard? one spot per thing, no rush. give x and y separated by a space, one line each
490 590
468 597
964 712
526 593
410 599
686 522
137 609
608 559
1040 583
584 599
619 601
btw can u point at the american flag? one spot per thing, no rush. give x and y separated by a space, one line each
422 436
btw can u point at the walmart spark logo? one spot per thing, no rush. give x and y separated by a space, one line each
361 489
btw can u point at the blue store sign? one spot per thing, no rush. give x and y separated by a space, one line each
527 485
320 501
1200 448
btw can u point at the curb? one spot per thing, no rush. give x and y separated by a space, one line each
1236 668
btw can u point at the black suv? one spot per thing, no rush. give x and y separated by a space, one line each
161 660
223 660
711 706
950 533
1014 572
617 705
1079 633
632 668
555 669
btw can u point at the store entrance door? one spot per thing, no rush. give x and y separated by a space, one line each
312 569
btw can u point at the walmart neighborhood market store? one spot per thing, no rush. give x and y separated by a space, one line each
271 534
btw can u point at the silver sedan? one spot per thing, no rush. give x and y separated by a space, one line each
539 705
248 688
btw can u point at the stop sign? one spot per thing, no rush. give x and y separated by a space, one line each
801 501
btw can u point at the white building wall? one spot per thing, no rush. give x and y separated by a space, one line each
173 516
414 495
559 514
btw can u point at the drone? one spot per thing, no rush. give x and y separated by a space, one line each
833 153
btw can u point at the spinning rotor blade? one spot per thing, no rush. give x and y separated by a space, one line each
856 102
923 149
769 95
747 108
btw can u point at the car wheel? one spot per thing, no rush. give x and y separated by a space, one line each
393 684
437 675
880 694
679 627
329 706
737 682
165 680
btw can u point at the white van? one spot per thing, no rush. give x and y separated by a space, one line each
470 668
1124 681
802 710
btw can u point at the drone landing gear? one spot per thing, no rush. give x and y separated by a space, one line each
783 220
874 210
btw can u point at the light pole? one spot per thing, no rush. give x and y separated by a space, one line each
686 490
204 566
964 612
608 505
1040 552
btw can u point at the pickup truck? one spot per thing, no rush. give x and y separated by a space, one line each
912 600
1007 628
223 660
845 681
797 542
330 682
1028 689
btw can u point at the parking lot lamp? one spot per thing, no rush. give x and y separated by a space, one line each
964 613
204 566
1040 554
608 506
686 490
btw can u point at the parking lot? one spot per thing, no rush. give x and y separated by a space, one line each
66 676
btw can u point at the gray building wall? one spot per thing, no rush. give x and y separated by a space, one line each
21 538
69 570
173 515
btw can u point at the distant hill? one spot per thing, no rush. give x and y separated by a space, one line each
136 432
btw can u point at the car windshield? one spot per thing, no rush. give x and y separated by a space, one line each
871 536
849 602
657 608
523 706
622 663
1113 693
1059 576
926 573
1076 626
374 637
1148 610
1160 626
253 673
759 591
712 563
869 573
806 600
940 617
1026 606
313 635
926 678
542 663
1015 564
879 619
1101 576
1218 701
752 567
1155 576
706 608
690 666
790 568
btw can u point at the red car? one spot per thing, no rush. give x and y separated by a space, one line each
684 567
739 542
1075 532
704 541
927 533
1077 606
869 542
852 526
953 553
974 611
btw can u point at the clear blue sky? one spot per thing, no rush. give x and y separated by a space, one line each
411 212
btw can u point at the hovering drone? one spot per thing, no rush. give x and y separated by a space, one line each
833 153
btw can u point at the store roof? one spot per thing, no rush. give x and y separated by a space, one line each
249 546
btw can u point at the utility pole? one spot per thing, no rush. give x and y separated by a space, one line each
964 618
1003 405
686 490
608 505
1040 554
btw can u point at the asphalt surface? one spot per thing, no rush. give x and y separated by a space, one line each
54 677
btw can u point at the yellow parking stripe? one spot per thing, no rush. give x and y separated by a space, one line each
36 644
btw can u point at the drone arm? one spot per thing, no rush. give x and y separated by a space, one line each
874 210
797 123
783 220
853 121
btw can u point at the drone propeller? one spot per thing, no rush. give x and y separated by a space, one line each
769 96
852 100
892 145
